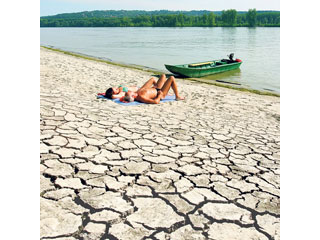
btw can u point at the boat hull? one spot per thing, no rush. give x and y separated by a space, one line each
185 71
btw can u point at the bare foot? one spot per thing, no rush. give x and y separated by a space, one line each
179 98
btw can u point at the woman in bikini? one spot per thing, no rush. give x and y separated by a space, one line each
118 92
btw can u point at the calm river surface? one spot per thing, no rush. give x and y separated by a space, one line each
258 48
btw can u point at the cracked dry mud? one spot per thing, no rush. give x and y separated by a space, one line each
204 168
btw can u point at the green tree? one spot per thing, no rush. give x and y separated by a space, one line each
229 17
205 19
180 19
252 17
211 19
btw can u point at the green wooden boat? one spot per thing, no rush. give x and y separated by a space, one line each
205 68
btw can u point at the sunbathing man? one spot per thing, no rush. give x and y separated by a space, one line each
152 91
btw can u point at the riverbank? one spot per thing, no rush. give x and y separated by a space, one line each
206 81
199 168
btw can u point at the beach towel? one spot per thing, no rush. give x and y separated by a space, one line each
168 98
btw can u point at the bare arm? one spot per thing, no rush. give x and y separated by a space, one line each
118 95
154 82
149 100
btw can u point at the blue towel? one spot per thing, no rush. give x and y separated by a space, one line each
117 100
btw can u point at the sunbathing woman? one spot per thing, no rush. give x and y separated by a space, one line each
152 91
119 92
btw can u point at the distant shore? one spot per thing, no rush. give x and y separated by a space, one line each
155 72
202 18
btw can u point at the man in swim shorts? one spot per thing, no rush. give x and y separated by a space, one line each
153 91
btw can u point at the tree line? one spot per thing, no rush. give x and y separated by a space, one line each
126 13
227 18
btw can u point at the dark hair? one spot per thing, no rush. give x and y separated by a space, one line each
109 93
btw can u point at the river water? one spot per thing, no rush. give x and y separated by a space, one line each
258 48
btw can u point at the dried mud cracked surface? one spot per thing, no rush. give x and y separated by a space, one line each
204 168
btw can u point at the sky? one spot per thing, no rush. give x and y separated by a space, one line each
52 7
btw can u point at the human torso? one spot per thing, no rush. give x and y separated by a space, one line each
123 88
126 89
133 89
150 93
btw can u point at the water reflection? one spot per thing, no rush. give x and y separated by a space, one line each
232 76
229 35
251 37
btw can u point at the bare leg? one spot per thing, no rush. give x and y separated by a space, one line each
161 81
171 82
149 83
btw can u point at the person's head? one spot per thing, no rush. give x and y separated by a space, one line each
116 90
109 93
129 96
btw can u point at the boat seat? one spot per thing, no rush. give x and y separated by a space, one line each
199 64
